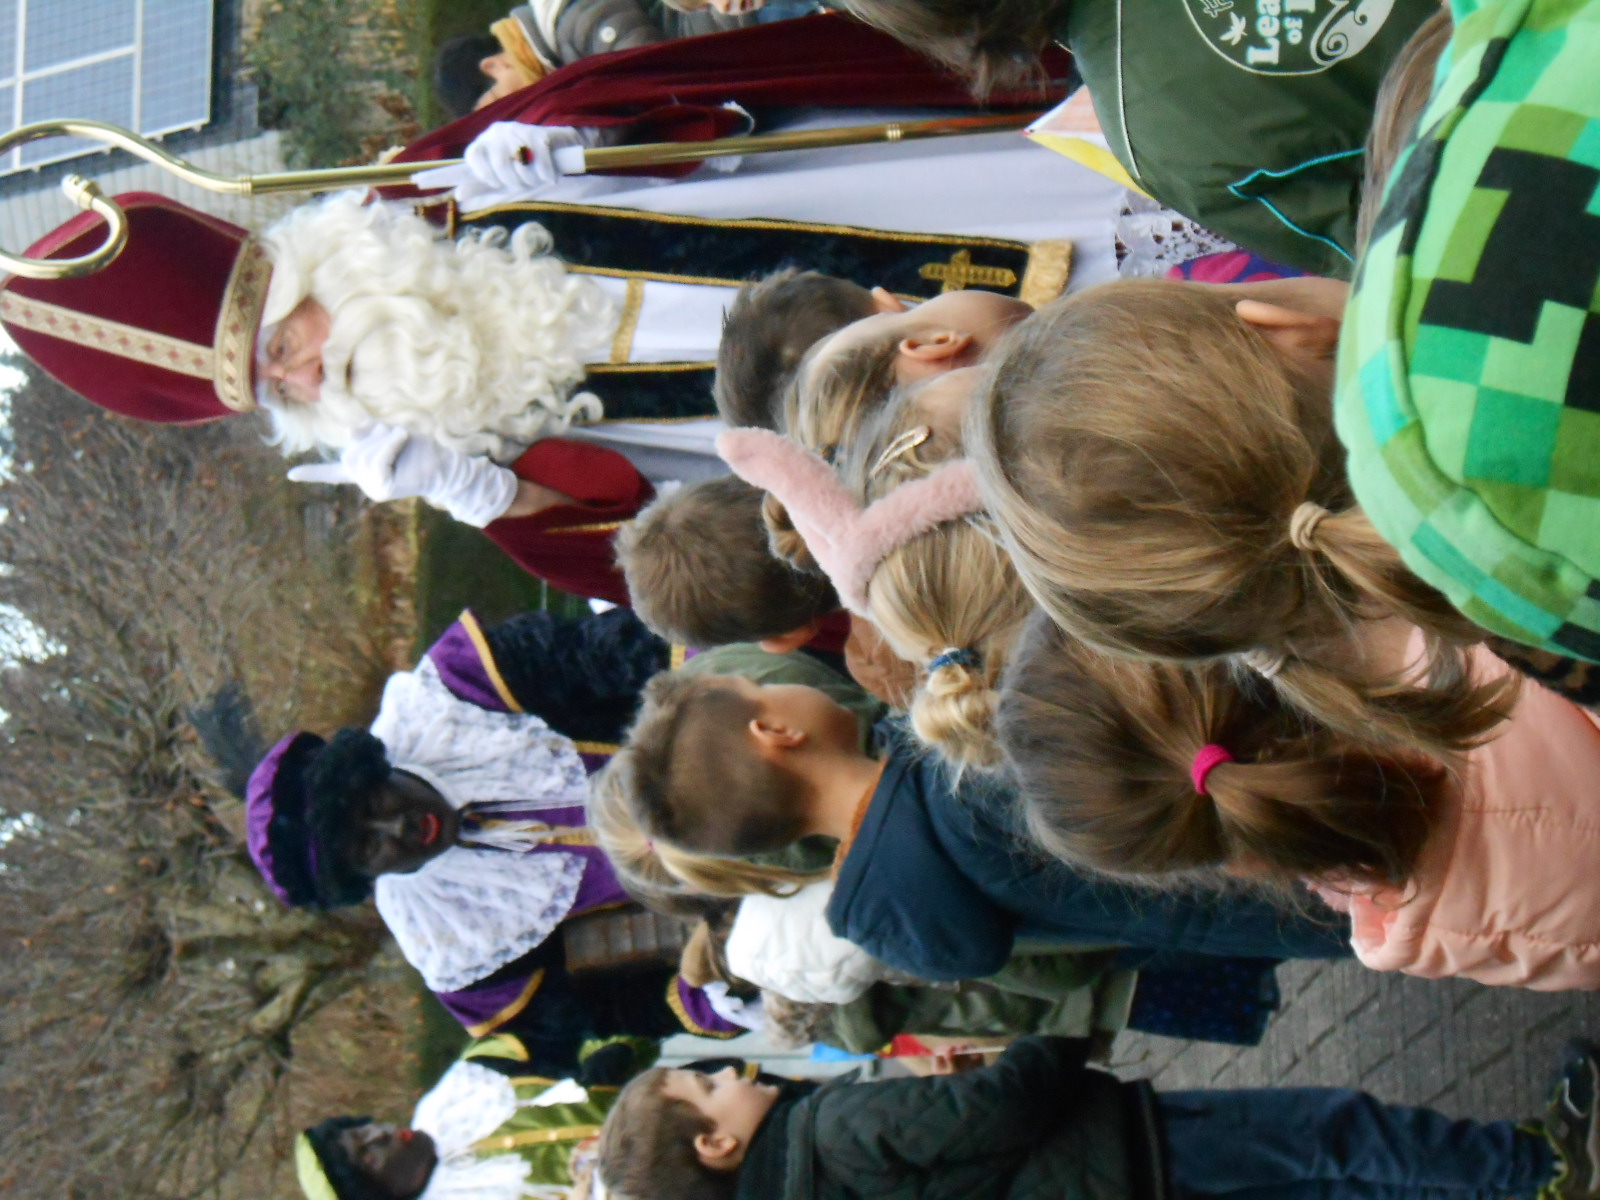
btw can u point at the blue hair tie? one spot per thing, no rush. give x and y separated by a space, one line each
952 656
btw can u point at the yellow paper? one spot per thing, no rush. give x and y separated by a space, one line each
1081 150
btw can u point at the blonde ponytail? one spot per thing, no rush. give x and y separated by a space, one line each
951 589
704 958
954 709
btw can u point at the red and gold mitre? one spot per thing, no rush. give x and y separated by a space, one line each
167 332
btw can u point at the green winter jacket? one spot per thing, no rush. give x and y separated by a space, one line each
1066 995
1249 116
1038 1125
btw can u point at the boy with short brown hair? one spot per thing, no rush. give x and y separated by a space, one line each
1040 1125
768 329
701 573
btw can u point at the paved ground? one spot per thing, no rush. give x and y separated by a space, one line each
1467 1050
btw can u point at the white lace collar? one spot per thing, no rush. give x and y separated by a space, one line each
479 753
471 910
467 1105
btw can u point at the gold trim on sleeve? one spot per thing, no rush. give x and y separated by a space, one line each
510 1011
498 1045
641 368
597 747
599 527
536 1137
690 1025
632 306
480 643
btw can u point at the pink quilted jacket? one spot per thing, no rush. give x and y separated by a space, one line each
1508 888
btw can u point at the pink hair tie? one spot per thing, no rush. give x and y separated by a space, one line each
1206 760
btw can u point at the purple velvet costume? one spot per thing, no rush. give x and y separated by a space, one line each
467 669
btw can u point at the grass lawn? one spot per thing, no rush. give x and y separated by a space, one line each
458 568
443 20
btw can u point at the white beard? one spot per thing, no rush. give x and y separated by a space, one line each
477 344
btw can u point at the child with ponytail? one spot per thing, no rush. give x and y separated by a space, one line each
1160 460
1478 864
937 586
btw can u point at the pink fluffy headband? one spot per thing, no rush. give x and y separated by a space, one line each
847 541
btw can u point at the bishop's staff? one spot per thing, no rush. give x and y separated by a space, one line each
571 161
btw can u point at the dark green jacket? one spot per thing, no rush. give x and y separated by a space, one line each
1038 1125
1046 993
1251 125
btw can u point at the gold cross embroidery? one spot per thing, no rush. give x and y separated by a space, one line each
959 273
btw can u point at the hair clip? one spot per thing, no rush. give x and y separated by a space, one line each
954 656
1268 664
902 445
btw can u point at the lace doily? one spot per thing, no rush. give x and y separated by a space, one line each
1152 239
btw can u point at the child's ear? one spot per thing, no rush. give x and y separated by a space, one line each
885 301
935 346
718 1150
787 643
770 735
1295 333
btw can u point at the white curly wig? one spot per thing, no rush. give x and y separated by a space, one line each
476 343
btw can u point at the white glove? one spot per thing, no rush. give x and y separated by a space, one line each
510 161
390 463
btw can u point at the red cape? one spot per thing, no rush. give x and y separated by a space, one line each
675 91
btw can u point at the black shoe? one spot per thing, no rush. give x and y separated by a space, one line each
1572 1123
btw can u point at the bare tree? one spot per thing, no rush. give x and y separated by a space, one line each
154 987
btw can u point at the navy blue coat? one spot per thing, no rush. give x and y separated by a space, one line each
939 883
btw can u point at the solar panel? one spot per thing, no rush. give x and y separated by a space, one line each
143 64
